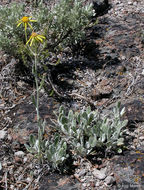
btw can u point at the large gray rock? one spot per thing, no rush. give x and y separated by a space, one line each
109 180
100 174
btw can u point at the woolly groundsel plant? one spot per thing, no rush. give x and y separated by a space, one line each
52 29
87 130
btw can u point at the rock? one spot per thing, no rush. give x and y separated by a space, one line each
128 168
102 90
3 134
70 81
88 83
19 154
135 3
15 145
9 137
84 184
141 138
82 173
100 174
109 180
100 6
97 183
134 111
25 159
28 179
130 2
18 159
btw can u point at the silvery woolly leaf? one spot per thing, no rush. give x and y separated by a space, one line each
122 111
120 141
124 123
49 156
61 109
79 118
59 118
73 123
63 158
36 145
52 149
64 120
103 137
119 104
61 153
56 140
93 141
64 129
88 110
32 139
87 145
84 115
90 118
70 115
28 148
65 145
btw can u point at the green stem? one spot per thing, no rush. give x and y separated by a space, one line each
37 88
26 35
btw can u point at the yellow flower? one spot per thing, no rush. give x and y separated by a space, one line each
25 20
35 37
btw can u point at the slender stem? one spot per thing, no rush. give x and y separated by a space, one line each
26 35
37 88
37 108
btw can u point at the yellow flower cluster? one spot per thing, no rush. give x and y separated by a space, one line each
25 21
34 36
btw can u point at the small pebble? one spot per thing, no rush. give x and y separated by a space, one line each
29 179
84 184
109 180
82 173
100 174
19 154
141 138
3 134
97 184
130 3
135 3
25 159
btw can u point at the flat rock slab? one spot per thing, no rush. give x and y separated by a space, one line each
58 182
134 111
129 170
24 116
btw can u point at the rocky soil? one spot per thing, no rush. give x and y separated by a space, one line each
109 68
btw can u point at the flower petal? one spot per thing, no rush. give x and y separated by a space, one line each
33 20
31 41
39 38
19 24
30 26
